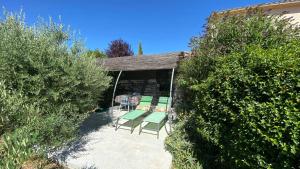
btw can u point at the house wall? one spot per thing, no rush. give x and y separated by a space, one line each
289 9
289 12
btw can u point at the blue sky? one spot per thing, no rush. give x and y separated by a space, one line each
160 25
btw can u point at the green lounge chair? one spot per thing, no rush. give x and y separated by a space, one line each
156 119
135 114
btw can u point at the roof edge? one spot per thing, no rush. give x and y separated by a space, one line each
179 53
144 62
268 6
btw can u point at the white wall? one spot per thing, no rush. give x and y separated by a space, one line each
290 12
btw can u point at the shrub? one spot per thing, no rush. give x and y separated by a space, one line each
249 107
13 110
181 149
229 33
233 33
243 84
16 148
47 86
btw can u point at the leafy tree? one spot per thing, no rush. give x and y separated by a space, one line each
140 52
119 48
95 54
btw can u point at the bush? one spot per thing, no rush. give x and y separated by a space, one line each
181 149
243 88
249 107
47 86
13 110
233 33
15 142
16 148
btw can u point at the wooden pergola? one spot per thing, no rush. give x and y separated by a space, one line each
143 63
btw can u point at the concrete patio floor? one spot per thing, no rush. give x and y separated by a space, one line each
101 147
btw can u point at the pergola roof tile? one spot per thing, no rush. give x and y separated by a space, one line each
144 62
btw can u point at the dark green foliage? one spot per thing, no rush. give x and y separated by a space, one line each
140 52
47 87
249 107
230 33
233 33
243 87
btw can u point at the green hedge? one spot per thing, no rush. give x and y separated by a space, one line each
250 107
243 90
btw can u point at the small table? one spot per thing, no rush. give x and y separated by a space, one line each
123 100
128 101
133 100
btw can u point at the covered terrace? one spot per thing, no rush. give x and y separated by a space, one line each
100 145
151 75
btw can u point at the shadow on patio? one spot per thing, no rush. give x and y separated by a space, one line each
94 122
100 146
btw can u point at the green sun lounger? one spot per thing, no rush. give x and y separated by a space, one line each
157 119
133 115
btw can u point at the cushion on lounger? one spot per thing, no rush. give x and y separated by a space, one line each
143 107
